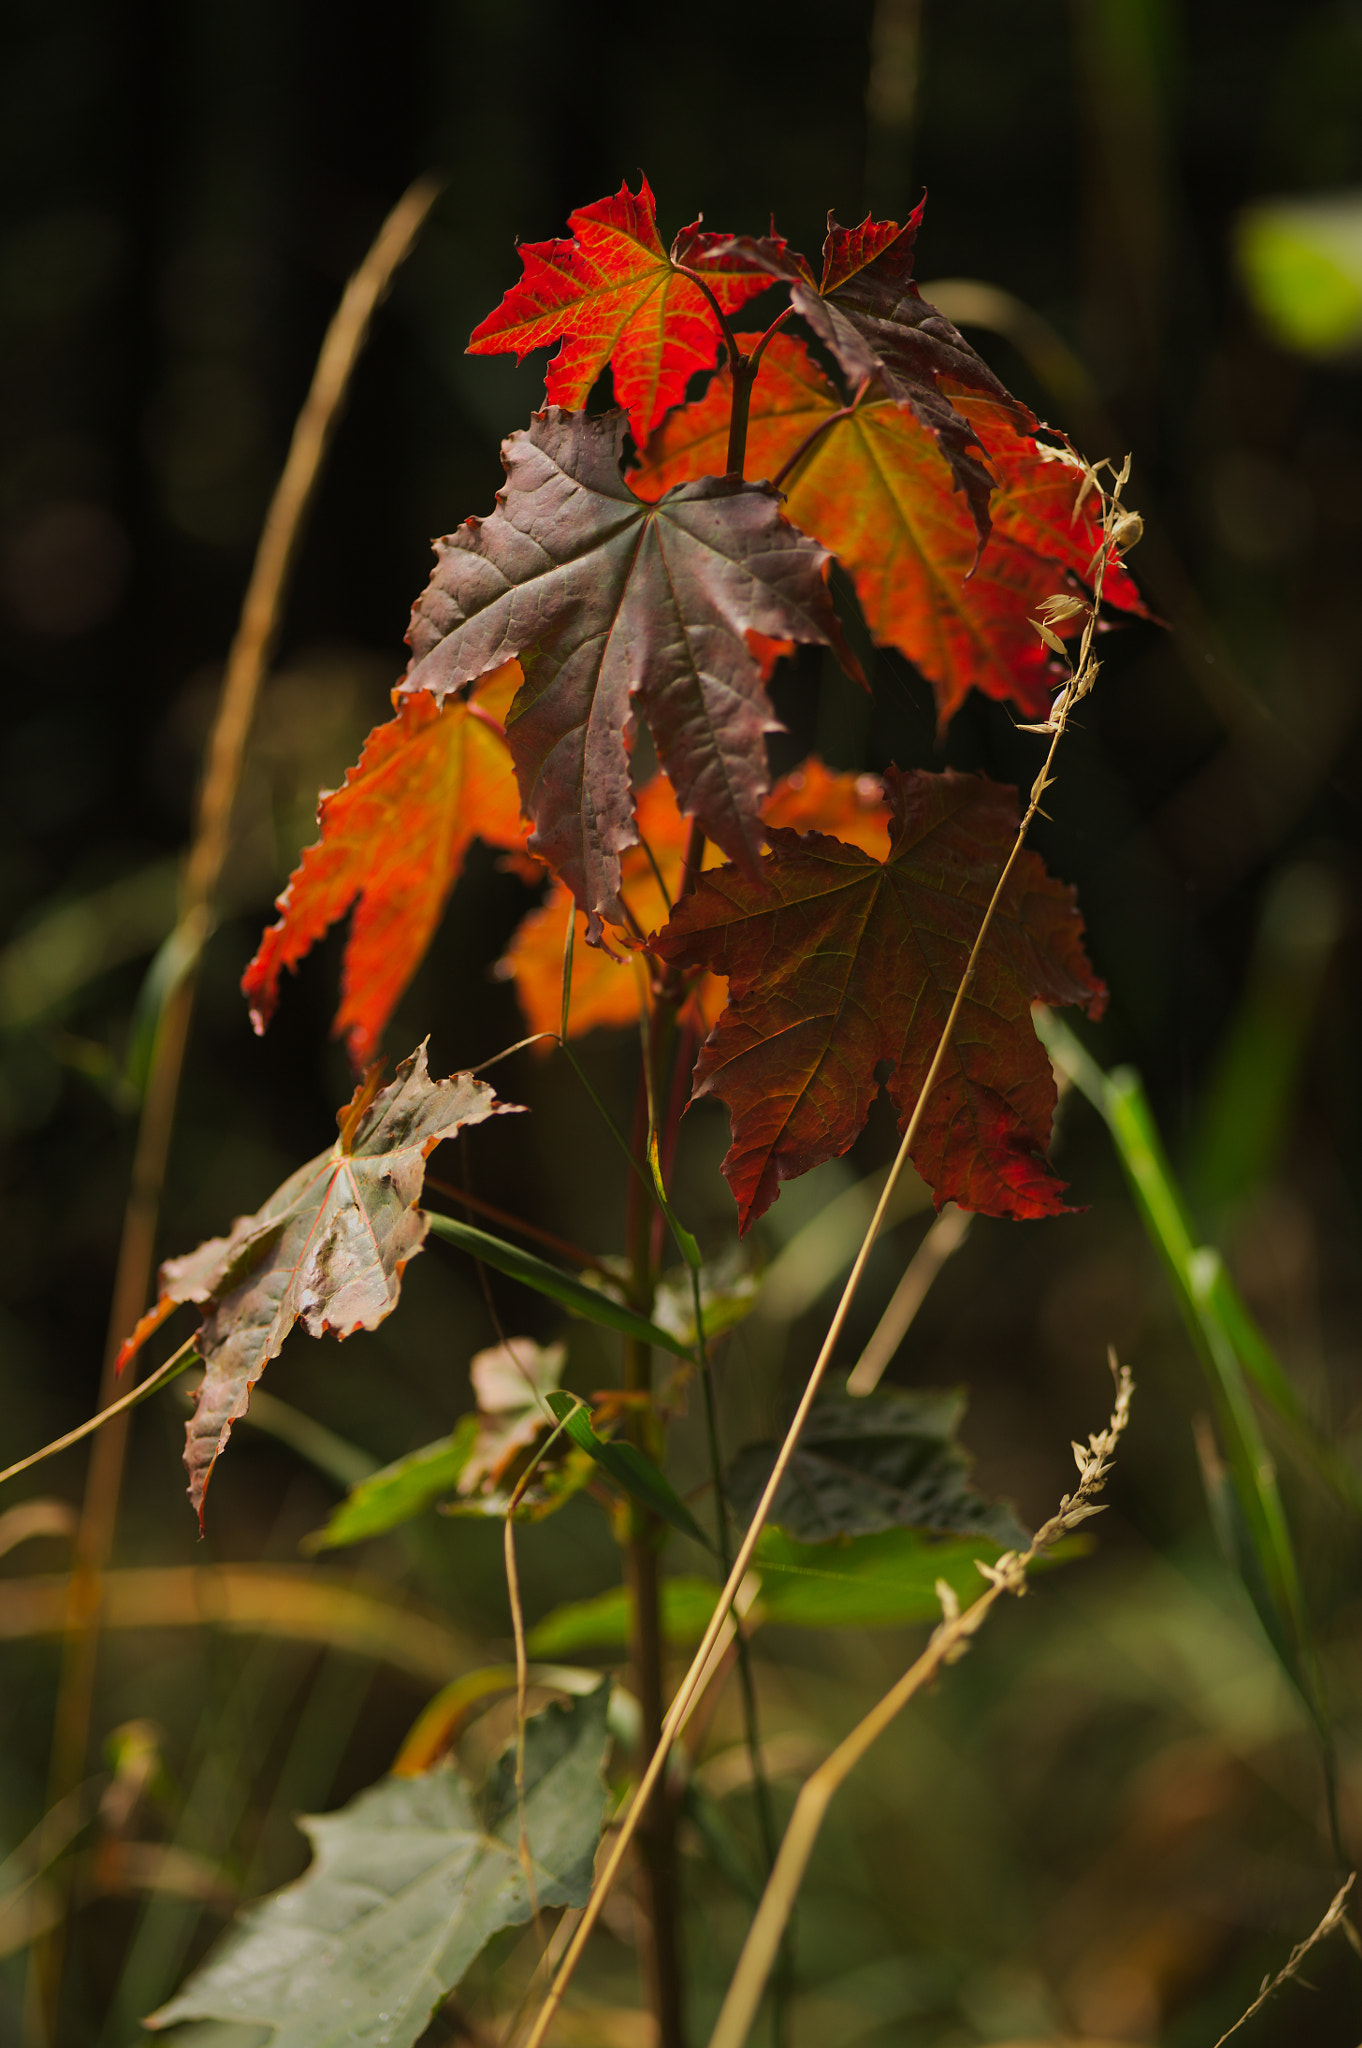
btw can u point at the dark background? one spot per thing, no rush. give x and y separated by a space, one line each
184 192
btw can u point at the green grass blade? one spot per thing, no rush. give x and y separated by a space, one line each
626 1465
1230 1348
589 1302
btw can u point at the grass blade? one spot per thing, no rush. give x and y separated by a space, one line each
571 1294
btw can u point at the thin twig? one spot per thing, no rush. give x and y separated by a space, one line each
1076 685
1336 1914
948 1232
178 1362
247 662
949 1641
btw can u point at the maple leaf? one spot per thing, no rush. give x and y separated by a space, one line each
875 490
615 607
606 989
394 837
327 1249
614 295
870 313
837 962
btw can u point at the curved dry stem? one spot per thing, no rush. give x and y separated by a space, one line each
948 1643
1120 530
247 661
178 1362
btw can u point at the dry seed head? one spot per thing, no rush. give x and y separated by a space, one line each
1126 529
1062 605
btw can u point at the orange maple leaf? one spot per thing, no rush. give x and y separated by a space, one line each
876 490
393 841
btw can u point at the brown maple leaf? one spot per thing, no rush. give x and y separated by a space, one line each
617 608
837 962
875 490
327 1249
606 989
393 841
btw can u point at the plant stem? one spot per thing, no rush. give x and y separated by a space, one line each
247 662
657 1826
1076 686
783 1985
948 1642
744 377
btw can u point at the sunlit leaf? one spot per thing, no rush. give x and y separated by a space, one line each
875 490
393 841
327 1249
612 294
884 334
605 985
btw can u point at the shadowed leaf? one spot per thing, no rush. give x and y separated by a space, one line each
837 962
593 1304
327 1249
407 1886
616 609
863 1464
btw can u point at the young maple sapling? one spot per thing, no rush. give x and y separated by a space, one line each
778 945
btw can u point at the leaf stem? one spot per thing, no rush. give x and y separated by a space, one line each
811 440
774 329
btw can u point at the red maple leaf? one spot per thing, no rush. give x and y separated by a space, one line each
394 837
875 490
618 608
837 962
869 312
615 296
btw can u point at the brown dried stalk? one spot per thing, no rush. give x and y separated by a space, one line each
948 1644
247 663
1121 529
1334 1917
